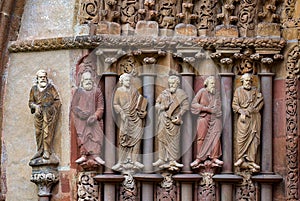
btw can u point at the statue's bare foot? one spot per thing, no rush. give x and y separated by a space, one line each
239 162
99 160
139 165
117 167
195 163
46 155
159 162
217 161
81 159
37 155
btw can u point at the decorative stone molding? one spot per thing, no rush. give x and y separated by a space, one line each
87 187
292 137
106 41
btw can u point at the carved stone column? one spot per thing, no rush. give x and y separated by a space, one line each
110 130
148 92
226 63
267 129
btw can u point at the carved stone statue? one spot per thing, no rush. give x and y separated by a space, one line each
45 104
131 109
171 104
247 102
87 107
207 105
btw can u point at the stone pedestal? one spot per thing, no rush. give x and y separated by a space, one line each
44 175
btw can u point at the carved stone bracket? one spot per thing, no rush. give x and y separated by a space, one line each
225 58
247 189
45 177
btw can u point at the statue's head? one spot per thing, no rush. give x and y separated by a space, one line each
210 84
86 81
41 77
246 80
125 80
174 83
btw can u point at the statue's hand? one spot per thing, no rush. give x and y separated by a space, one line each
123 115
243 118
91 120
38 109
177 120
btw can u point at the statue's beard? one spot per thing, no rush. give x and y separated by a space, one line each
173 89
42 84
88 86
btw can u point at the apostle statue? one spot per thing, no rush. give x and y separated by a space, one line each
247 103
130 107
170 105
88 107
207 105
45 104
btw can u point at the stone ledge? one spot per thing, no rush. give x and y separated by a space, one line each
109 178
148 177
145 42
267 178
187 177
228 178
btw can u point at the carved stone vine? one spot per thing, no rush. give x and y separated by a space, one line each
288 13
247 17
129 12
246 190
166 191
207 187
205 15
87 187
167 14
292 68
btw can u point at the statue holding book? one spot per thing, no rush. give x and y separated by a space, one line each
130 107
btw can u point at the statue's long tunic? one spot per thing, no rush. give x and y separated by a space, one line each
209 125
248 131
45 121
170 106
85 104
131 129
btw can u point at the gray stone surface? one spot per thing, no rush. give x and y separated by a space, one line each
47 19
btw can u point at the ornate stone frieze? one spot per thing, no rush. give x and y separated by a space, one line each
90 42
206 187
292 138
128 191
88 11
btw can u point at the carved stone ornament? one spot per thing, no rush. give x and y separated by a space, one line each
128 191
44 103
167 191
87 188
167 14
206 187
44 178
292 125
170 106
88 12
247 17
246 190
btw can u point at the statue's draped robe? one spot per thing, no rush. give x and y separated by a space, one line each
169 107
131 130
45 121
209 125
85 104
248 132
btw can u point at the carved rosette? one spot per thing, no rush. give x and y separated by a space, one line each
292 68
167 191
44 179
246 190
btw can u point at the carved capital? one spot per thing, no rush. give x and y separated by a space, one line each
44 178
